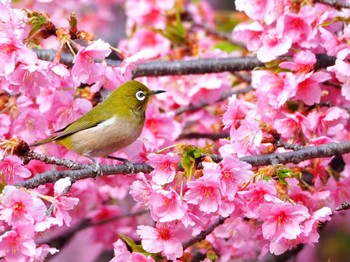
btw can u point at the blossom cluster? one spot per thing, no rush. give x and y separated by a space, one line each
262 210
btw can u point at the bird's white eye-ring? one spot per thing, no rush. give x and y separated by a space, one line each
140 95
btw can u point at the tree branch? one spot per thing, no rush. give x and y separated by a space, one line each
196 66
74 175
286 256
186 67
53 160
297 156
211 65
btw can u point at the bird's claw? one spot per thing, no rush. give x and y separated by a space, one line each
129 165
96 166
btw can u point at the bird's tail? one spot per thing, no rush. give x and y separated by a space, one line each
44 141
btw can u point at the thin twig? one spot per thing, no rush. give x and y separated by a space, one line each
203 135
286 256
243 76
285 145
224 96
55 161
334 3
203 234
61 240
222 35
113 218
344 206
330 104
324 61
333 84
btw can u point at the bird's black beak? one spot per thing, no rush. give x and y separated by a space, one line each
155 92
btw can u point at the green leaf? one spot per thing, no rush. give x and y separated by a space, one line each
227 20
2 183
73 19
212 256
283 173
292 106
174 32
134 247
189 156
335 20
179 25
138 248
37 20
225 46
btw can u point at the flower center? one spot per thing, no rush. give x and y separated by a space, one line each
18 207
8 48
164 233
206 192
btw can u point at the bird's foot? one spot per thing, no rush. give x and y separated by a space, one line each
130 165
96 166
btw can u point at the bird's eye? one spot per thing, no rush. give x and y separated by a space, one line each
140 95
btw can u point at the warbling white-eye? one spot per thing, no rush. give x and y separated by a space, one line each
110 126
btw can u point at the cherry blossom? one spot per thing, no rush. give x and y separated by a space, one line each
17 245
121 254
85 70
240 211
62 203
141 191
273 44
13 170
247 138
165 238
21 208
165 167
166 206
254 195
282 220
304 62
204 192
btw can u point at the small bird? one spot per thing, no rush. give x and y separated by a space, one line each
108 127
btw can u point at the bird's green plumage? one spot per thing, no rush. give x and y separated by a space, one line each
121 106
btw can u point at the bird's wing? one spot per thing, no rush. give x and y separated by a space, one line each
91 119
75 127
68 130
